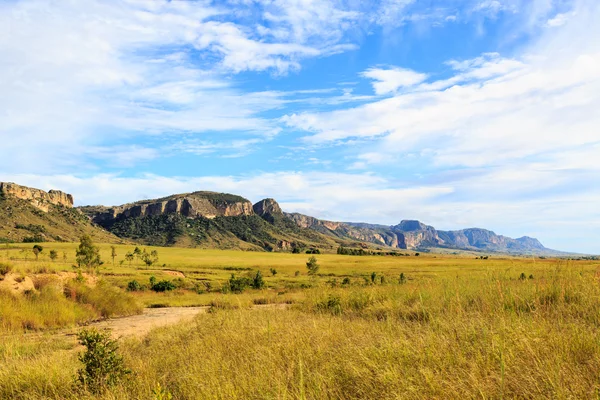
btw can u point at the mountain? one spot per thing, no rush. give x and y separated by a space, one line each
221 220
414 235
33 215
210 220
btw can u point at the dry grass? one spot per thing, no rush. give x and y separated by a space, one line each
457 328
489 335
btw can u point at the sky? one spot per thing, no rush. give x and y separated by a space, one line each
458 113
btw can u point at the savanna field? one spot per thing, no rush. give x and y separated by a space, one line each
355 327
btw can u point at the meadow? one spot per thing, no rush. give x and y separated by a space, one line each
363 327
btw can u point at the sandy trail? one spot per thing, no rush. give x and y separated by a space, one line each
140 325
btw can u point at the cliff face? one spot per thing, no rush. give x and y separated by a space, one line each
36 197
191 205
411 234
267 207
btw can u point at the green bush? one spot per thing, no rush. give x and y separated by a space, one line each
258 282
134 286
238 285
103 367
163 286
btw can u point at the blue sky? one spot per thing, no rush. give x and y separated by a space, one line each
458 113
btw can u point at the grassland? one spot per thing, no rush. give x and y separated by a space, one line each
456 327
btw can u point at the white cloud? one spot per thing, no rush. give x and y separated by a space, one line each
390 80
558 20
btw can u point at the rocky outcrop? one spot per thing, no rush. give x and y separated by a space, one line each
304 221
267 207
191 205
415 234
411 234
38 198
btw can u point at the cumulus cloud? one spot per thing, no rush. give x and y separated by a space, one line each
390 80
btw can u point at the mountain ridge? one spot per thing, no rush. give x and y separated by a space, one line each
211 219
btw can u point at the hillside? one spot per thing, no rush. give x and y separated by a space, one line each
208 220
33 215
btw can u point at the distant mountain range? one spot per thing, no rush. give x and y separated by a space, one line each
219 220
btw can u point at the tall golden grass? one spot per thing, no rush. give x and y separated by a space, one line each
483 335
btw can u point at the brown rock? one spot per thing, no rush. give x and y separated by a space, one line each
38 198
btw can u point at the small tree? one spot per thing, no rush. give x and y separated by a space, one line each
113 253
312 265
373 276
137 253
102 365
37 249
53 255
88 255
149 258
129 257
273 271
258 282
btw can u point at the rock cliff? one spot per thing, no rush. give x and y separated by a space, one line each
198 204
267 207
36 197
414 235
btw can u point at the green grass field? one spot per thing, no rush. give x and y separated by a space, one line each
456 327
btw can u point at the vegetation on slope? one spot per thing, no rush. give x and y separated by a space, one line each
246 232
20 221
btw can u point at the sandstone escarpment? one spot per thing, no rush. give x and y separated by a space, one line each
267 207
191 205
38 198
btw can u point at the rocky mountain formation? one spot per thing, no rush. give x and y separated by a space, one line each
38 198
33 215
415 235
208 219
219 220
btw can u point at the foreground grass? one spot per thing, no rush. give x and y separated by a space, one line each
487 335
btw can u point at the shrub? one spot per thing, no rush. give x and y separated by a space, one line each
5 268
258 282
134 286
402 279
346 281
102 365
373 277
238 285
312 266
522 276
163 286
273 271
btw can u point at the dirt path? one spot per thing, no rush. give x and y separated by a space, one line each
140 325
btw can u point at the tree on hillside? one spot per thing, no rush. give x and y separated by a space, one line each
88 255
113 253
37 249
53 255
312 266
